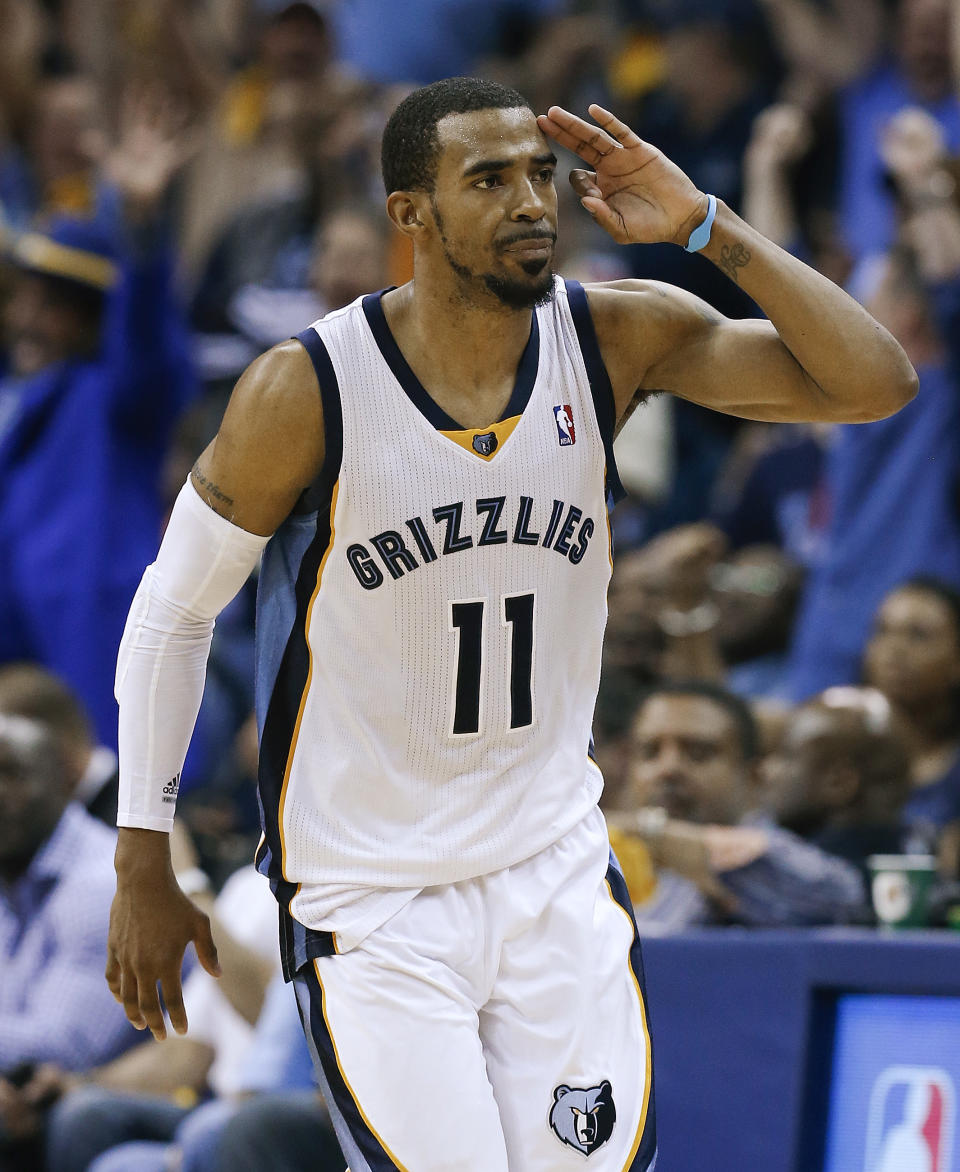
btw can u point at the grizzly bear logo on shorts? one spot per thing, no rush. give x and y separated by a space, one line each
583 1119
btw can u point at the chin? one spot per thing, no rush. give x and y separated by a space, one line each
520 294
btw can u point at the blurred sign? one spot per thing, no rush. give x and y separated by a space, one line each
893 1092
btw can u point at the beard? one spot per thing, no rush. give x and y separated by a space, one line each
512 292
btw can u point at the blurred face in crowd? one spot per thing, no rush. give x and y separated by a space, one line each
913 655
495 206
47 320
33 792
66 129
923 44
801 789
832 766
688 758
350 258
295 46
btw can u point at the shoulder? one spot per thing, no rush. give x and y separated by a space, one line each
638 323
276 400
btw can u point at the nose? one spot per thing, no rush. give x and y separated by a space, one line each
530 205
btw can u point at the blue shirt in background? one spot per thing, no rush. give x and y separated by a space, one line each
55 1005
892 487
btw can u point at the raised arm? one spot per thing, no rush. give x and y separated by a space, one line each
819 356
268 450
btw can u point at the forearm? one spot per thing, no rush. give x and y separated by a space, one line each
856 368
795 883
768 201
202 563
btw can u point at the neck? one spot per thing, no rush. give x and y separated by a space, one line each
928 726
462 344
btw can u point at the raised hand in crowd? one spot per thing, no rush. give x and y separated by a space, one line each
914 152
154 142
781 136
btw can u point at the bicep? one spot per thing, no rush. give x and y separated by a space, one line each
269 447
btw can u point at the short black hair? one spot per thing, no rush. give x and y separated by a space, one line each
928 584
411 145
739 711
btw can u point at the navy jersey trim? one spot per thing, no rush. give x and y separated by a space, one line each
317 496
356 1137
646 1155
415 390
300 945
283 708
600 386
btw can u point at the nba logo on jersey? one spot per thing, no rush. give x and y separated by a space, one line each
564 418
910 1122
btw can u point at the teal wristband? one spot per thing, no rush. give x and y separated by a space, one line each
700 237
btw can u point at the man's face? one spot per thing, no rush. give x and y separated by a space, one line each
687 758
793 771
32 794
44 325
495 205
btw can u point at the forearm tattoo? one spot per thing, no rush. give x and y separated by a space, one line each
210 487
733 257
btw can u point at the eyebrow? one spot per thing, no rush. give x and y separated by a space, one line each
483 165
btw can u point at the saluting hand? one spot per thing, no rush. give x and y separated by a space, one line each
633 190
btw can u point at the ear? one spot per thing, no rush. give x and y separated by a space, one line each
404 209
560 1092
605 1088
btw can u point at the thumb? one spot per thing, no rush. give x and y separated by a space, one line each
206 949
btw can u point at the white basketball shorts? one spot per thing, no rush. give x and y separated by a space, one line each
494 1025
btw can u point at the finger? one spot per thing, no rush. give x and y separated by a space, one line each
173 1000
206 949
130 999
590 142
605 216
584 183
150 1009
112 974
614 127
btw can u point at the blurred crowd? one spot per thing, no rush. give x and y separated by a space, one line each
186 182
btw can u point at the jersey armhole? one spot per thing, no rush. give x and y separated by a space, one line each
600 386
319 494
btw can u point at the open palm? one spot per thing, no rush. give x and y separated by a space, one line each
633 190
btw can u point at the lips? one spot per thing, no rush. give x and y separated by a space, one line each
530 245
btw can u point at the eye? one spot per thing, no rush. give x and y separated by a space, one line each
545 175
488 182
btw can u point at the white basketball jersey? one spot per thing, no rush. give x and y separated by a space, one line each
430 636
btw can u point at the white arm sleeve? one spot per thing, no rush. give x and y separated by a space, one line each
203 561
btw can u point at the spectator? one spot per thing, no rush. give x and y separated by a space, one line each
99 372
696 775
892 490
29 690
275 121
913 658
919 75
56 884
840 776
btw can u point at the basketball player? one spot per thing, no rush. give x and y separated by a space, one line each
426 473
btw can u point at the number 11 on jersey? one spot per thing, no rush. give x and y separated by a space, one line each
467 619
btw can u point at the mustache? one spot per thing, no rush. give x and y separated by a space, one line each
507 242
